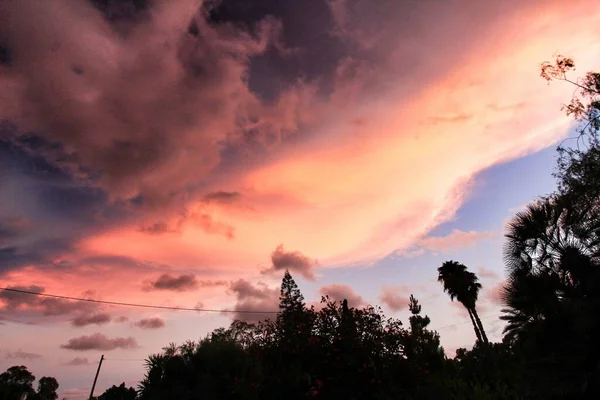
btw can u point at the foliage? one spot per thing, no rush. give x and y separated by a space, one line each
552 254
120 392
17 383
335 352
578 167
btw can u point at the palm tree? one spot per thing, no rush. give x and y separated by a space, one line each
552 255
463 286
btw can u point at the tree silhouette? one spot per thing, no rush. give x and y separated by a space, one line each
422 346
463 286
551 299
17 384
120 392
290 297
47 387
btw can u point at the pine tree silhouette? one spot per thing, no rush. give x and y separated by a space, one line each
290 297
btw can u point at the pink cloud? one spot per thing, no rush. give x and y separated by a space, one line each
395 298
337 292
456 240
77 361
255 302
493 294
486 273
482 309
293 261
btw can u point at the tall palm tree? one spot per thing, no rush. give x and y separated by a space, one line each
463 286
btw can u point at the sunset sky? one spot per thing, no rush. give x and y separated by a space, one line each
186 153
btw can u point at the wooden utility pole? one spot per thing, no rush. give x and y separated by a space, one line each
96 377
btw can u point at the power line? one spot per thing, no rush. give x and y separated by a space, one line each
118 303
462 323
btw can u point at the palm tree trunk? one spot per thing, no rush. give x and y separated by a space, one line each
475 325
480 325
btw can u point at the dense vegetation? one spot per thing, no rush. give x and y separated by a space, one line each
550 349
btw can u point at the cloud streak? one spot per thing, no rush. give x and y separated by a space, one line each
150 323
98 341
23 355
179 283
77 361
93 319
456 240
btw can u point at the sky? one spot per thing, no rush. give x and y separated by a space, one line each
186 153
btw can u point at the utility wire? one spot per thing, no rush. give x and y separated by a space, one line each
462 323
118 303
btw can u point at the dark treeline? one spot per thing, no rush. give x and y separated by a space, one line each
550 348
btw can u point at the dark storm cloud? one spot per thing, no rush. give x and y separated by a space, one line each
13 227
40 252
45 210
98 341
121 13
193 91
302 52
5 56
294 261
